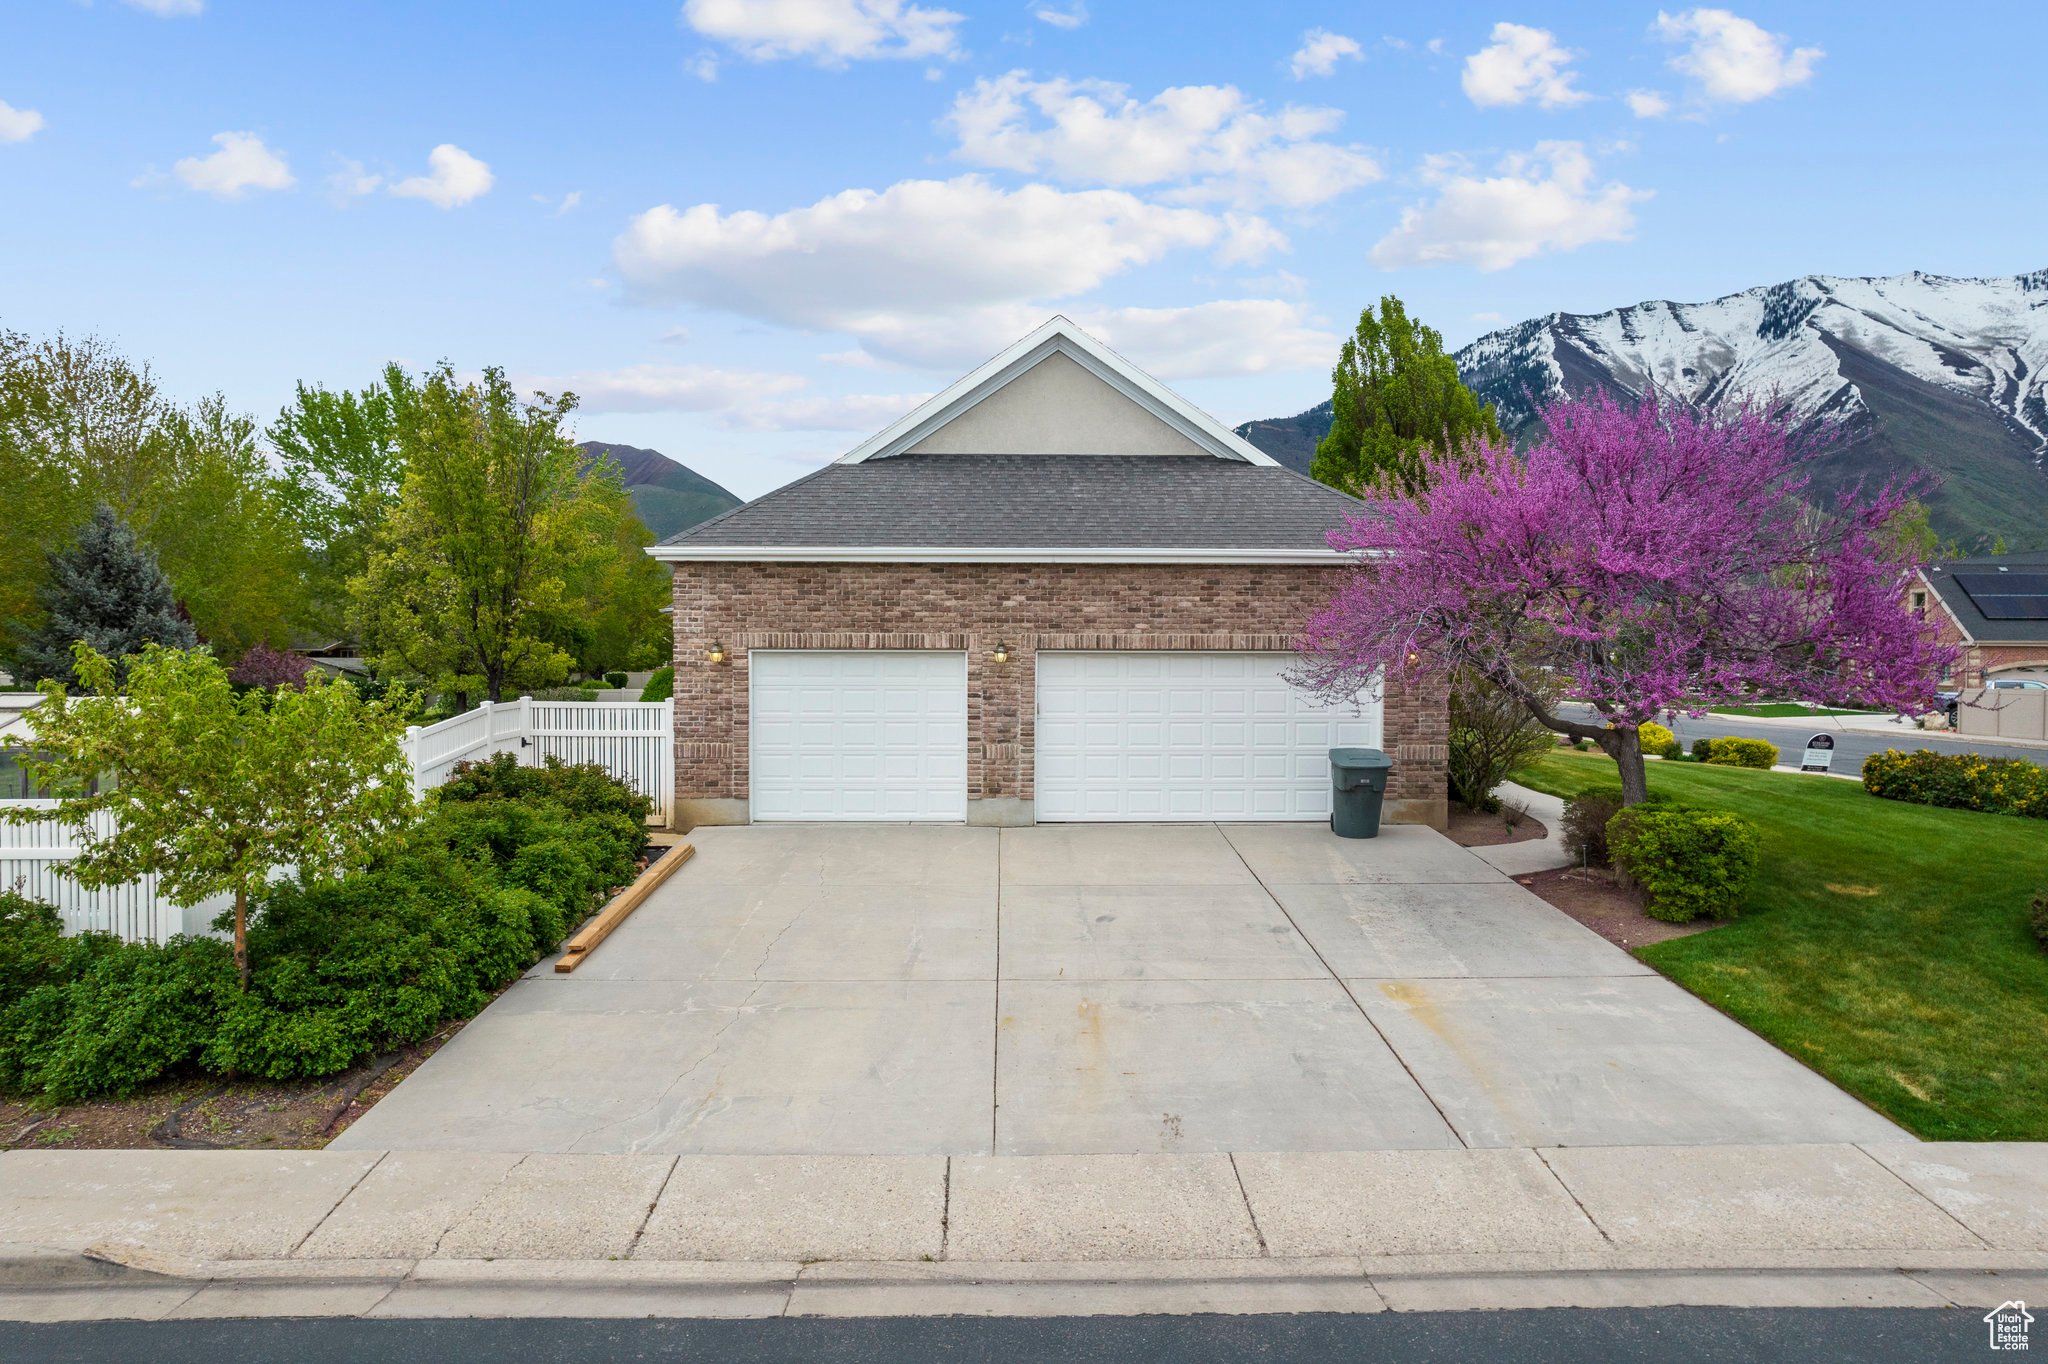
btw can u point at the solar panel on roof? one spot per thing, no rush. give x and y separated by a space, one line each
2007 596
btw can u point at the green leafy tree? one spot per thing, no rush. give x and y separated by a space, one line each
468 568
177 777
1397 400
343 467
81 426
107 592
610 618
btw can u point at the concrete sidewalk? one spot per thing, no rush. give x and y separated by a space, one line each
156 1234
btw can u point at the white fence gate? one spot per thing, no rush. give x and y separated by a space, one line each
633 740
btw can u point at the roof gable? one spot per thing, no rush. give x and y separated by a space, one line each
1072 393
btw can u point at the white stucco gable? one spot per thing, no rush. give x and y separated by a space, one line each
1058 391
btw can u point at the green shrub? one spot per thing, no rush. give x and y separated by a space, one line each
581 788
103 1016
1688 862
615 680
506 861
1755 753
371 962
661 686
1959 781
1585 826
1701 748
2038 912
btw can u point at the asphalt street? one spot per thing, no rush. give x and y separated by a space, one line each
1673 1335
1851 746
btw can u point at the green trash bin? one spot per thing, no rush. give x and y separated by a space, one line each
1358 783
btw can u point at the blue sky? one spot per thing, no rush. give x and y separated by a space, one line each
749 232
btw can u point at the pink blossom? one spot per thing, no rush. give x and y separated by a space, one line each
1643 559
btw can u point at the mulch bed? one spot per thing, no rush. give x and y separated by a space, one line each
1476 829
202 1113
1612 910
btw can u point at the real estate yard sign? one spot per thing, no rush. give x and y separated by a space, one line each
1819 755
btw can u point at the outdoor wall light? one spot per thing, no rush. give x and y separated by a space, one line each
1002 653
716 653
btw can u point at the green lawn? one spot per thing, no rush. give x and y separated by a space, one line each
1884 944
1780 710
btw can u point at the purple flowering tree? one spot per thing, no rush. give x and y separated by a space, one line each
1643 559
263 666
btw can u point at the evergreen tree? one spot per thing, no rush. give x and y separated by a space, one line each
1397 400
108 591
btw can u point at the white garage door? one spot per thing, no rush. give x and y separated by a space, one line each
1167 736
864 734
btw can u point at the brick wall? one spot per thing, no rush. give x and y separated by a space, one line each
974 607
1977 660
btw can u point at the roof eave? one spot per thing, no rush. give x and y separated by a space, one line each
947 554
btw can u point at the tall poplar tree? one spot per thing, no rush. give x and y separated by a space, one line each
1397 401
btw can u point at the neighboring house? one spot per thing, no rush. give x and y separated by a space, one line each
336 658
1995 608
1057 591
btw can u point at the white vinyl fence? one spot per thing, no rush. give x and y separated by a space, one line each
2002 713
633 740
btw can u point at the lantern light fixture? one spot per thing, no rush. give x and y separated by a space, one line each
1002 653
716 653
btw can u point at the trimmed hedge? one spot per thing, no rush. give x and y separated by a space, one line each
1959 781
507 861
661 686
1688 862
1755 753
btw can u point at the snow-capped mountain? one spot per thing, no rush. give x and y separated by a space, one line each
1986 338
1924 372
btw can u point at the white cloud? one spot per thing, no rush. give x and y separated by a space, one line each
921 247
1542 201
1073 16
857 412
831 32
704 66
242 163
569 201
1434 46
1205 340
18 125
665 388
674 336
1208 140
1320 51
1209 340
351 181
1647 104
454 178
1734 60
169 9
1523 63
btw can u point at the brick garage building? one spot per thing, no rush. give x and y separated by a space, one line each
1056 591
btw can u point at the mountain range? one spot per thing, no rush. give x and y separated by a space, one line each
1927 374
666 495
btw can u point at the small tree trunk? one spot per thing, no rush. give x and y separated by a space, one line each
1625 746
242 936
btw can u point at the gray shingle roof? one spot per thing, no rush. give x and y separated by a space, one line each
1036 502
1941 577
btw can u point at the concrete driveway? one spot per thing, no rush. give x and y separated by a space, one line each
896 989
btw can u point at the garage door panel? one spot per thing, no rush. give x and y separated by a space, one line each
1186 736
858 735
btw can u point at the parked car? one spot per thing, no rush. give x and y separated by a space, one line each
2019 684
